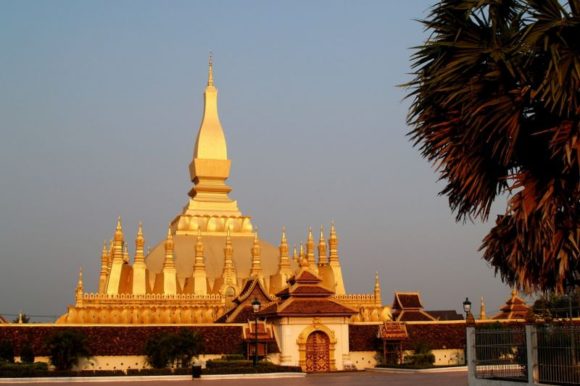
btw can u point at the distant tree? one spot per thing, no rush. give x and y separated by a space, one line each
25 319
496 107
6 351
187 345
66 348
27 353
558 306
177 349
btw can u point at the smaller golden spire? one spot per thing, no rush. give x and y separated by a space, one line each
295 255
169 263
283 249
118 241
482 314
104 259
139 244
125 254
514 292
119 230
256 262
377 289
79 290
228 252
322 257
333 244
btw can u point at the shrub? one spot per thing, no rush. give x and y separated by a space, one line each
423 357
176 349
27 353
6 351
66 348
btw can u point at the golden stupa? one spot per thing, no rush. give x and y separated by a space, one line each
210 251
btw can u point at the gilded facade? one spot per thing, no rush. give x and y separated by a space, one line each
210 251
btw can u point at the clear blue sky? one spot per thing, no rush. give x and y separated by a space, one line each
100 102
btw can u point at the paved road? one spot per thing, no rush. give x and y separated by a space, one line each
338 379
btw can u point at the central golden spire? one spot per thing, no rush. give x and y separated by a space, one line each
211 141
209 170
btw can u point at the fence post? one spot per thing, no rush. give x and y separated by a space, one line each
532 354
470 354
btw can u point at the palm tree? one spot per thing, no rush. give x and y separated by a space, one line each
496 108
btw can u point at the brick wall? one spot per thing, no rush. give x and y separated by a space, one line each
123 340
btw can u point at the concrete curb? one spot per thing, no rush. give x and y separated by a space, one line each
455 369
130 378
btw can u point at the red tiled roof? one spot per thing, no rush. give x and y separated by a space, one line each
413 316
308 307
392 331
315 290
307 277
410 300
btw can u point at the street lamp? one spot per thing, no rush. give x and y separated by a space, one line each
467 307
256 307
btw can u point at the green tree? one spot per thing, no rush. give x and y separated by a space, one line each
496 107
6 351
25 319
66 348
177 349
27 353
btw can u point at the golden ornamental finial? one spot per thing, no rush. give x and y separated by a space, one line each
140 229
210 70
514 293
284 234
119 227
169 235
80 282
377 282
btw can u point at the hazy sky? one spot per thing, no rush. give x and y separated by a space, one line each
100 102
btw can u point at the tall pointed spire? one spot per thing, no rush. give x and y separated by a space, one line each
118 241
168 262
139 245
482 314
209 169
334 261
139 267
283 249
256 270
377 289
211 141
80 289
104 269
116 267
199 274
125 254
322 257
310 252
169 271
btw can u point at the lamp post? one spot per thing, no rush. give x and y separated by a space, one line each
467 310
467 307
256 307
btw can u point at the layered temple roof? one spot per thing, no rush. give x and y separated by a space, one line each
514 308
407 307
306 296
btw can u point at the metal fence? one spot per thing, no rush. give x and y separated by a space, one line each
500 353
559 354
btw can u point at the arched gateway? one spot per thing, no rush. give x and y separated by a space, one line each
317 352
